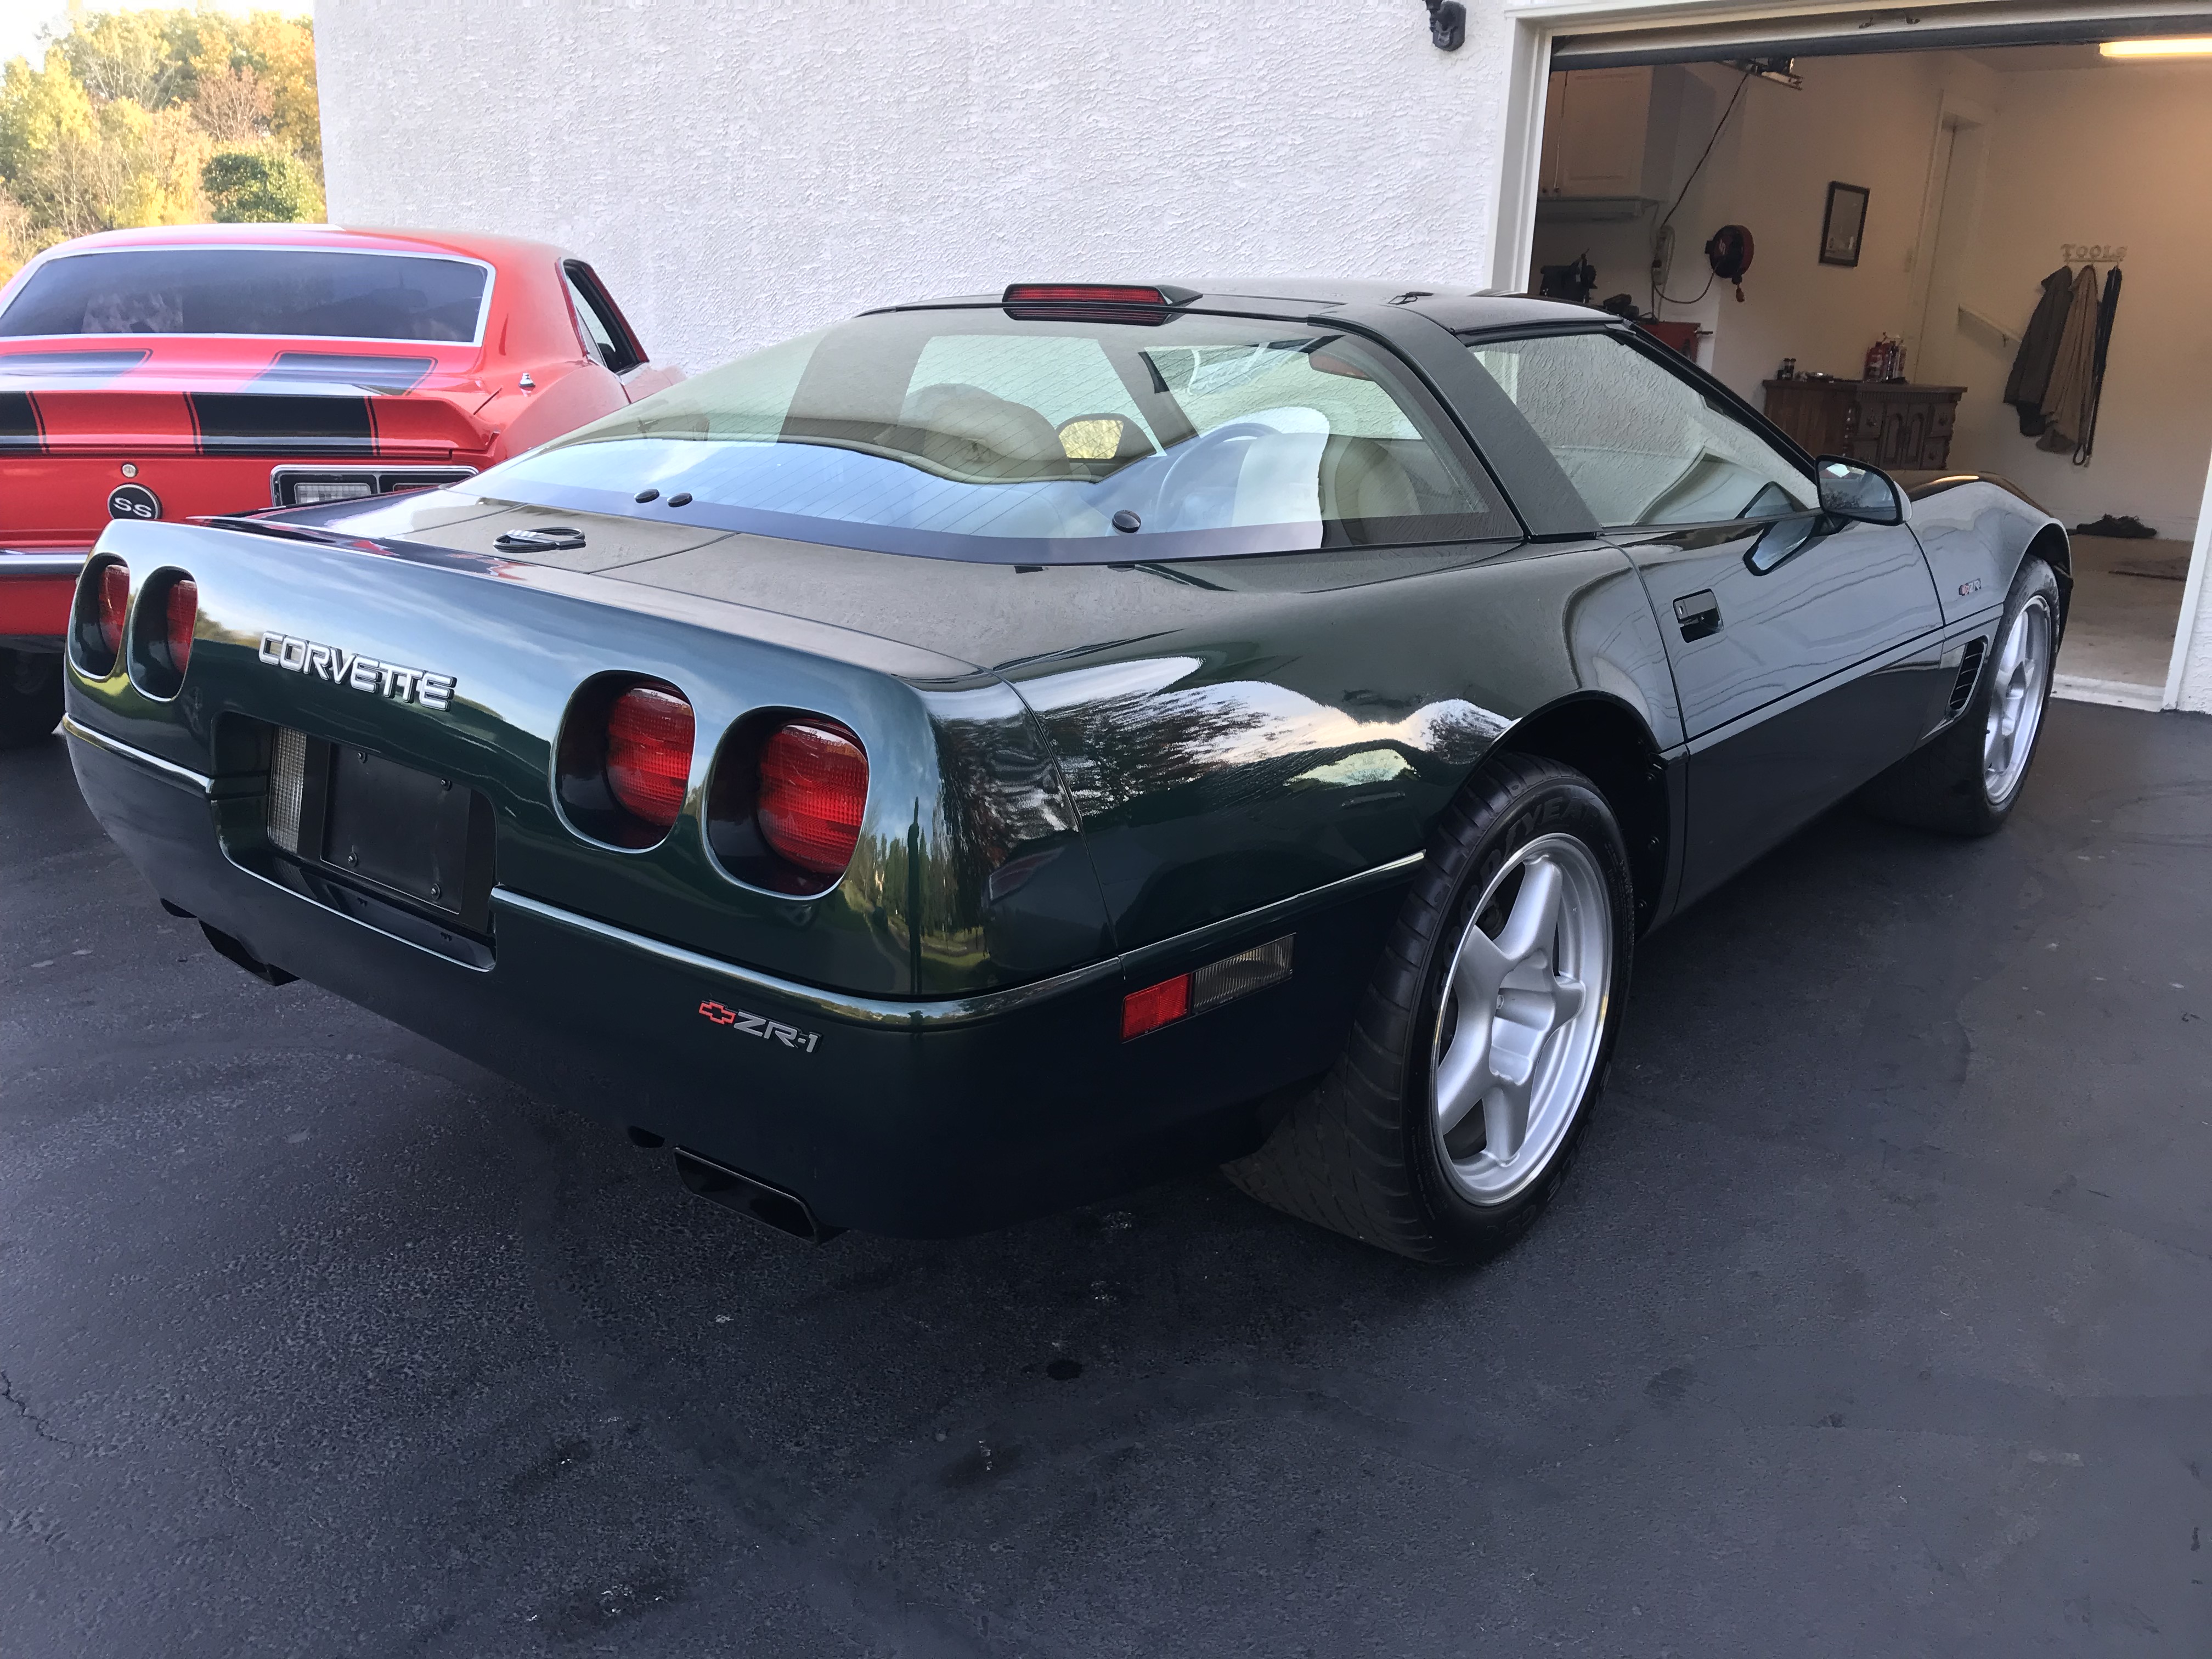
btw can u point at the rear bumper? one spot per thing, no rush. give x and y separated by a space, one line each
36 588
917 1118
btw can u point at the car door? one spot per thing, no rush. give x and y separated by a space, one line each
1806 652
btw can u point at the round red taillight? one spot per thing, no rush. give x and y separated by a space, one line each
115 602
813 783
649 753
183 611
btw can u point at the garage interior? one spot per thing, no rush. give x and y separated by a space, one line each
1973 175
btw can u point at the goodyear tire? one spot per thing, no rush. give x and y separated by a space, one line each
1482 1042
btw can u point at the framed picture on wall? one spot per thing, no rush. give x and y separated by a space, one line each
1844 224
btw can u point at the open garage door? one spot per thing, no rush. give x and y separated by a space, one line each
1918 185
1830 34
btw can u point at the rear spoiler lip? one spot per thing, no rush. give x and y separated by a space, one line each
97 444
94 418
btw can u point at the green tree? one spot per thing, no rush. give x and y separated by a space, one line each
250 186
158 116
127 55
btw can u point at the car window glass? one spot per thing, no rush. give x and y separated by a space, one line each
595 331
1061 377
319 293
1642 445
1204 433
1220 384
607 338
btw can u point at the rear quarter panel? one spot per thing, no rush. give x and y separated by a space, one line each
1233 731
1323 731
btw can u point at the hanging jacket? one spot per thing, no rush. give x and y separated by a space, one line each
2107 309
2039 349
2073 386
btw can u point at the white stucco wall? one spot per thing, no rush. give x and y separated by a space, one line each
741 171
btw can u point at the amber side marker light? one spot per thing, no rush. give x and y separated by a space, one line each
1209 986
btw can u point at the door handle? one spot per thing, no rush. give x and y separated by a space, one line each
1700 614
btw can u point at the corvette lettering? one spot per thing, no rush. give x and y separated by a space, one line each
759 1025
350 668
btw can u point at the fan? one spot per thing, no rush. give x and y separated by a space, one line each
1728 252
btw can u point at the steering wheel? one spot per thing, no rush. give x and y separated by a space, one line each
1185 485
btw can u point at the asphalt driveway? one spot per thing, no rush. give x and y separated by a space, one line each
1876 1319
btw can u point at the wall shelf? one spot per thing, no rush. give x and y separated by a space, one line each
2010 337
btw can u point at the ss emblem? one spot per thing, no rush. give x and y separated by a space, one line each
133 501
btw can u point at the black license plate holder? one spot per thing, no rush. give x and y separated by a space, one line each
425 837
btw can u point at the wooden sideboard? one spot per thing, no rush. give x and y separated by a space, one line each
1881 422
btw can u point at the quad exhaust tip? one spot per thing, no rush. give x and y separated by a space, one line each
785 1211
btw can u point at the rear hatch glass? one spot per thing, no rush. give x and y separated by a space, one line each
304 293
979 434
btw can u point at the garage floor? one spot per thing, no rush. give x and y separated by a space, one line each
1874 1320
2119 629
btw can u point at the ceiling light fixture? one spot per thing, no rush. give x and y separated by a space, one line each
2199 45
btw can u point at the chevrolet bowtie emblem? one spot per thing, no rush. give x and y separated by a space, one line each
350 668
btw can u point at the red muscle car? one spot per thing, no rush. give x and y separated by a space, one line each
187 371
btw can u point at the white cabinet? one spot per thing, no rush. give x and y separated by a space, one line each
1609 133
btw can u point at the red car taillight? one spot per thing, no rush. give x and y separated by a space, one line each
813 784
649 753
183 609
114 601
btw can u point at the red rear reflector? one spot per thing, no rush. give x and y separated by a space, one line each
1090 293
1206 987
813 783
184 609
114 601
649 753
1155 1005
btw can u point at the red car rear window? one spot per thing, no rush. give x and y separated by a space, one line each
328 293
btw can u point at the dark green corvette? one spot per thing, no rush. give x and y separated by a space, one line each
990 754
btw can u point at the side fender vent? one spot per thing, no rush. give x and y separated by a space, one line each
1970 669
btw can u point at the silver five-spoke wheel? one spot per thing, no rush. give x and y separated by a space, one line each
1519 1024
2022 673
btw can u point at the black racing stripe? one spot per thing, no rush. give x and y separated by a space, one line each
19 431
269 424
372 371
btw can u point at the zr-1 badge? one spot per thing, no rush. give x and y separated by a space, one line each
758 1025
350 668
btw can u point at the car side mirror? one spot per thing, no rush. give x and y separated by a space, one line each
1865 494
